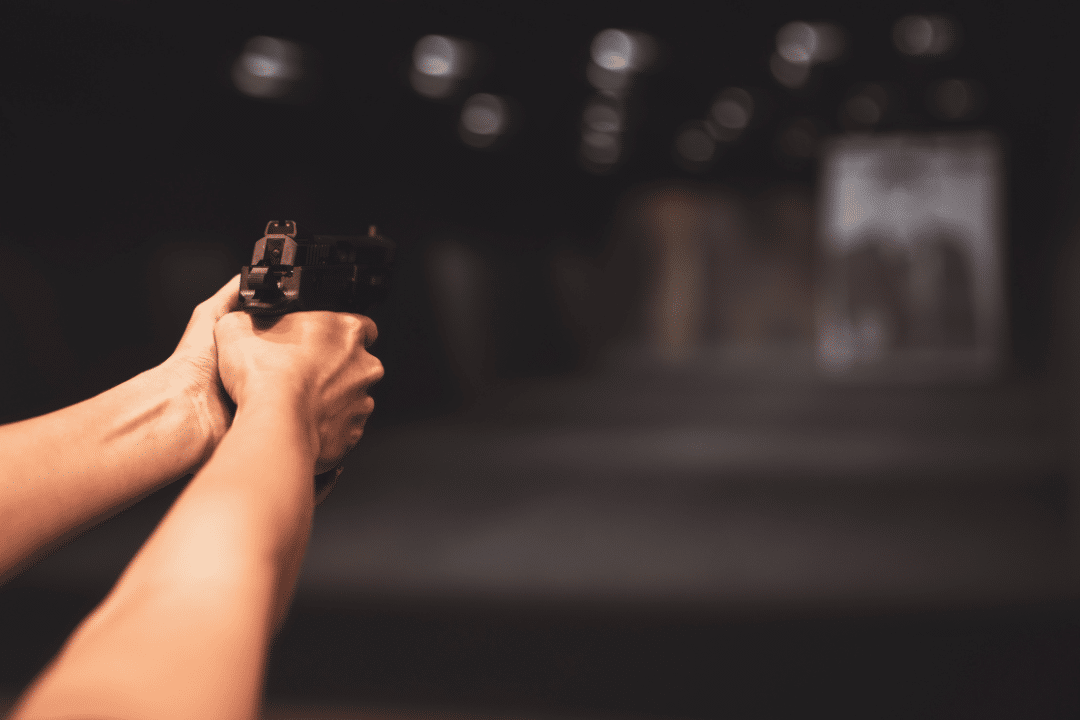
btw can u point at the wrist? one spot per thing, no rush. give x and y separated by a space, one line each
201 403
281 450
285 413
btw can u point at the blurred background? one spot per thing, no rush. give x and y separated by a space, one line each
731 354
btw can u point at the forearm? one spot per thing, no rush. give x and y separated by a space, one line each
185 632
61 472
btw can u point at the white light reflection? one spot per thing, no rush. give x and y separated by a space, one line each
439 62
924 35
436 55
613 50
797 42
622 51
268 67
616 56
484 118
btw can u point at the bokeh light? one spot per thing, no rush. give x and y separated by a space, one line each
484 119
602 123
924 35
436 55
731 113
622 51
797 42
439 63
268 68
803 43
616 56
603 115
613 50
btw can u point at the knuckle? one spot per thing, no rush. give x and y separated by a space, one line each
377 370
351 328
353 322
371 331
230 322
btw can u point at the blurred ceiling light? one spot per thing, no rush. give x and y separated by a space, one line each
924 35
865 107
613 50
790 75
802 43
694 146
603 116
484 118
268 67
438 63
731 111
622 51
797 42
955 99
440 56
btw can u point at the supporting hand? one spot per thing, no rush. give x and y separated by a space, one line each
194 364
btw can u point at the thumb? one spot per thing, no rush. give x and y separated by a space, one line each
199 335
225 300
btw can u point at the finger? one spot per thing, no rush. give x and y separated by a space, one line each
200 327
227 299
330 485
233 321
369 331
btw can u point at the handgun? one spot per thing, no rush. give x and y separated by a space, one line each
289 273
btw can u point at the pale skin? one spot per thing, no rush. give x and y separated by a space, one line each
185 631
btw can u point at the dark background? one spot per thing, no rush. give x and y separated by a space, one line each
120 131
136 179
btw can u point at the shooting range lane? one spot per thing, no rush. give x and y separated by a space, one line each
789 493
565 535
691 487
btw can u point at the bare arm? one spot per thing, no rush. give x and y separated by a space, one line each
62 472
185 632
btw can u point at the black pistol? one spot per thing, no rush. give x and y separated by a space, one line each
289 273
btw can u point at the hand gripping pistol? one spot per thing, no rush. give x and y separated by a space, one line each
342 273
